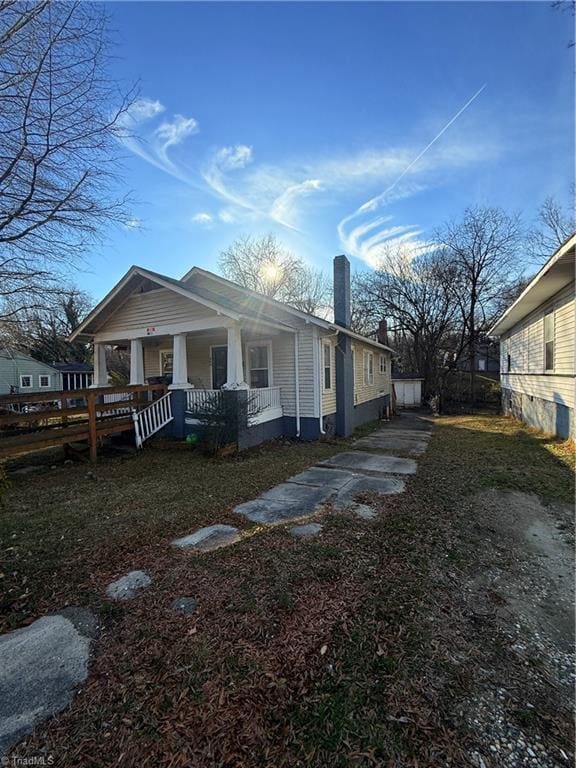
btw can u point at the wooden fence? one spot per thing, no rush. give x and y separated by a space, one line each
48 419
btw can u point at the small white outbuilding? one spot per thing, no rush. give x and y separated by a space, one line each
408 391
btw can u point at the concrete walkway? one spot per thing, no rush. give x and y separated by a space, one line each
345 476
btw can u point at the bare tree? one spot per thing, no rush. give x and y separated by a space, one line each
411 294
43 331
480 259
554 226
60 113
266 266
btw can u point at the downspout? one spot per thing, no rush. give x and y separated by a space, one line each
297 382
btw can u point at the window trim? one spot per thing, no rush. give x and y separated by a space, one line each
26 376
163 351
327 346
247 371
552 316
382 364
368 358
44 376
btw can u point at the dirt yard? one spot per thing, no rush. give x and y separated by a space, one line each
439 634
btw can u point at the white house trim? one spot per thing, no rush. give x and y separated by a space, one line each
171 329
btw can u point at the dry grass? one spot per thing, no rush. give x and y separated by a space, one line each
355 648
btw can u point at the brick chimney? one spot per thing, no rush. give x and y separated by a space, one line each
342 291
344 372
382 332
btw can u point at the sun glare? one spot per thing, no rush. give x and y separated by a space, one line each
271 272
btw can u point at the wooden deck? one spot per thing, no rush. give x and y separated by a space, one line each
44 420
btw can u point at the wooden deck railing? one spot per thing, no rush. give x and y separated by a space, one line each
31 422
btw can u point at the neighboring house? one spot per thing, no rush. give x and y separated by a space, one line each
21 374
537 337
75 375
486 359
203 333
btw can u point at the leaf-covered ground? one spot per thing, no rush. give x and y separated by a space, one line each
375 644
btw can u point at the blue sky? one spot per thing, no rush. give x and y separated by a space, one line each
306 119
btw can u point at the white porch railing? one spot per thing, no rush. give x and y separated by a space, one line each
152 418
196 399
263 404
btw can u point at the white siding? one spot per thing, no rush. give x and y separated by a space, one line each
381 386
307 338
159 307
525 345
283 371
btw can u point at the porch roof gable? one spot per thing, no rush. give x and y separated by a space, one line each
123 289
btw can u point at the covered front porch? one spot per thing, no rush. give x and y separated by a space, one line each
197 365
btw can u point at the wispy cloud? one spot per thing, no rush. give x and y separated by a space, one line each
202 217
154 146
286 192
355 238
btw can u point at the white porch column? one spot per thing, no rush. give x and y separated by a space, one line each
100 370
180 364
136 362
235 371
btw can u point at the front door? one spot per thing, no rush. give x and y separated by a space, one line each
219 366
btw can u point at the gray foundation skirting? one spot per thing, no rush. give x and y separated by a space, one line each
555 418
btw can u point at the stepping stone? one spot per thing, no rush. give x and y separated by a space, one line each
83 619
363 511
185 605
331 478
210 538
128 586
40 668
362 484
391 443
306 495
359 461
268 512
306 531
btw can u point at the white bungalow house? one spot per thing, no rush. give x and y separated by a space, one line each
203 333
537 339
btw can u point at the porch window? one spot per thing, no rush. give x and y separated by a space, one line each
327 366
549 341
259 366
44 381
25 382
166 362
368 368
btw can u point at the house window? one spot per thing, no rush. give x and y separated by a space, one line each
481 365
166 362
26 382
368 368
259 366
508 363
327 366
382 366
549 341
44 381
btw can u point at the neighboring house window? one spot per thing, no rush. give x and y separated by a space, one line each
259 366
166 362
368 368
327 366
382 364
549 341
44 381
26 382
481 365
508 363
